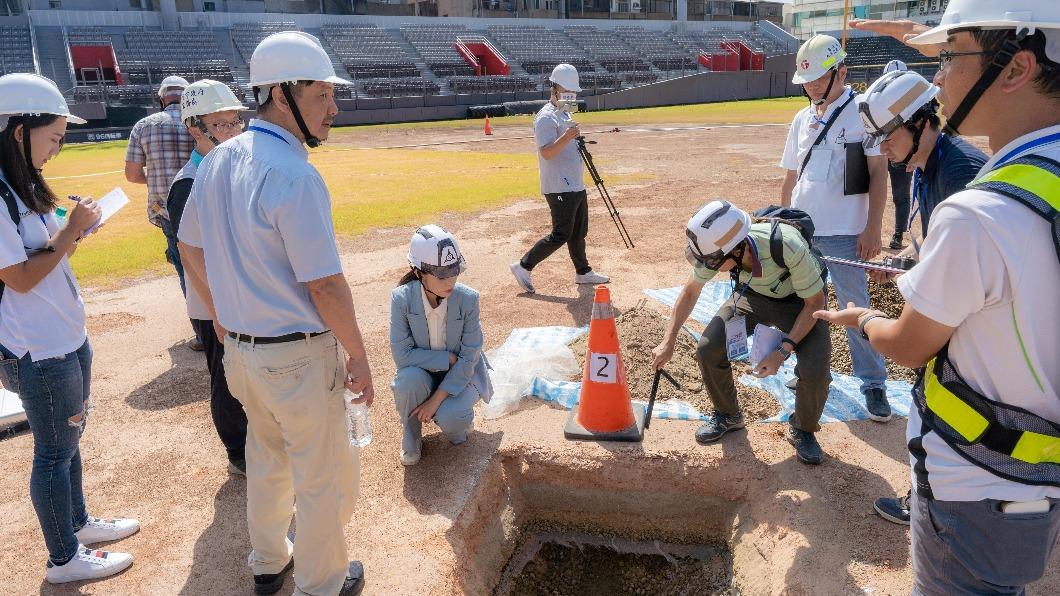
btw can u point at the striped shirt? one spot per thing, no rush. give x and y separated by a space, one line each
805 279
161 142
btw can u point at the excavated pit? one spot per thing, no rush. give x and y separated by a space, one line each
602 525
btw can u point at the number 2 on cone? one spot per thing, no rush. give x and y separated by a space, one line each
603 368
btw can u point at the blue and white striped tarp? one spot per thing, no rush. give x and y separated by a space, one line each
845 401
566 393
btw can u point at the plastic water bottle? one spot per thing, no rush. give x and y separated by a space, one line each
358 427
62 214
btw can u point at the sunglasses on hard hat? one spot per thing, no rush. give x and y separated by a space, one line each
444 271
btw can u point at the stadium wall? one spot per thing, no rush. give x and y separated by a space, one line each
774 81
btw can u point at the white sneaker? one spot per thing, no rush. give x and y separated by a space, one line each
592 277
88 564
522 276
105 530
410 458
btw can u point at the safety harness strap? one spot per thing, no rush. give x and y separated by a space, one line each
1033 181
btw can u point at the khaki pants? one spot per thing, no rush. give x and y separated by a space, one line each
297 450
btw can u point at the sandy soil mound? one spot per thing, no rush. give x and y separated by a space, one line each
640 330
886 298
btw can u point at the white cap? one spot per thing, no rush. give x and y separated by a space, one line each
718 227
25 93
992 14
566 76
208 97
434 250
895 65
816 57
289 57
172 86
890 101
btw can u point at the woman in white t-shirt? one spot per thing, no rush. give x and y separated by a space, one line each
45 356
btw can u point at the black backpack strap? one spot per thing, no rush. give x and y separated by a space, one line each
12 210
823 134
776 249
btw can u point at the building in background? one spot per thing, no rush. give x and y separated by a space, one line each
803 18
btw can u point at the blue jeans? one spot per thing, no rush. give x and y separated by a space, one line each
412 386
54 393
851 285
172 254
972 547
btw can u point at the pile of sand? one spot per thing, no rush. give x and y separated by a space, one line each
884 297
639 331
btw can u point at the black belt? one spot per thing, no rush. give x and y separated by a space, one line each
273 340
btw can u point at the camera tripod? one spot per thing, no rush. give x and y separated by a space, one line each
606 196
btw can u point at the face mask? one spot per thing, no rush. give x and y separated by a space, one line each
569 102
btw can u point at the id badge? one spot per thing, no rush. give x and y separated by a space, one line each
819 165
736 338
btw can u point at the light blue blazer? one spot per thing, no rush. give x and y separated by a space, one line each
411 344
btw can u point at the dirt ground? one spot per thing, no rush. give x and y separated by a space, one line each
151 452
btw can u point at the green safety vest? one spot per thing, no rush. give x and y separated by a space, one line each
1006 440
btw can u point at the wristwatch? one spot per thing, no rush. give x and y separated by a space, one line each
790 342
865 321
786 353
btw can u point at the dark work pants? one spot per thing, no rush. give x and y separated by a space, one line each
570 224
901 182
228 416
813 355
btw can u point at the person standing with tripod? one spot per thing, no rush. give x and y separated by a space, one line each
562 183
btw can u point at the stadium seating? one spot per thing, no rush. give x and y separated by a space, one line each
16 50
435 44
492 84
539 50
398 87
607 49
368 52
89 36
151 55
658 49
871 51
247 36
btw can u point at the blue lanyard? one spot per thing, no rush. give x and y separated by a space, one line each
268 132
918 176
1027 147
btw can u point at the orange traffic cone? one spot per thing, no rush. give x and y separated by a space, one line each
604 412
488 129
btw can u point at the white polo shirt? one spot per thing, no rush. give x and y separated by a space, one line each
565 172
988 267
819 192
435 320
49 320
262 215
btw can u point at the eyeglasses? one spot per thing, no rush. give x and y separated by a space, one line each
945 58
219 126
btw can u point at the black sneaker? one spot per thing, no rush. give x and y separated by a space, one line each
237 466
807 449
896 241
876 403
354 583
716 426
894 510
270 583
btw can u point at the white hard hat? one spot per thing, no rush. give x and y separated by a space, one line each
816 57
890 101
895 65
25 93
566 76
716 229
289 57
991 14
434 250
170 85
208 97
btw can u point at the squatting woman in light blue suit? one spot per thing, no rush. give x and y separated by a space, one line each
436 340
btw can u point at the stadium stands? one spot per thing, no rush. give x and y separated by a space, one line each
16 50
435 44
607 49
658 49
492 84
869 51
399 87
539 50
247 36
151 55
89 36
368 52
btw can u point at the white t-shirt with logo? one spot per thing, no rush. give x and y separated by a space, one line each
819 192
49 320
989 268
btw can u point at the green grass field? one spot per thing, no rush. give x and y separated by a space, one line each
370 188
